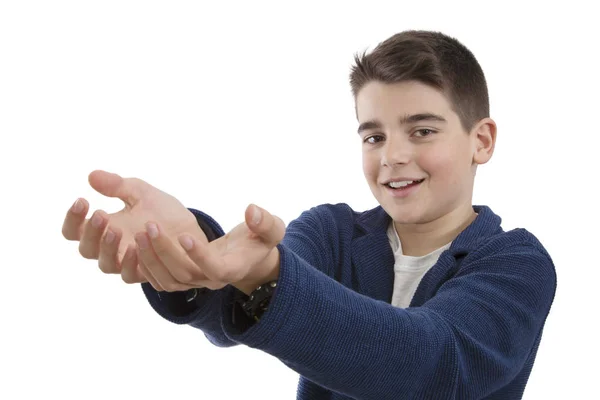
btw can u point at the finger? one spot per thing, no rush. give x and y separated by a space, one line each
89 245
176 260
270 228
199 252
130 271
108 259
173 257
148 274
145 272
154 266
75 219
113 185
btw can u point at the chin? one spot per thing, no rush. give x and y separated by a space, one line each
407 214
403 220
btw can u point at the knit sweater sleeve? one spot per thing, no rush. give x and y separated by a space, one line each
204 312
470 339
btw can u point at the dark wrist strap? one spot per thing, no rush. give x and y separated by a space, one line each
257 303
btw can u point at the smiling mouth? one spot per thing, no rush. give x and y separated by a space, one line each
414 183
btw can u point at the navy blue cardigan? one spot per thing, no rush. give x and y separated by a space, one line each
471 332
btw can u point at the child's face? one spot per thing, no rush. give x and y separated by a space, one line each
440 152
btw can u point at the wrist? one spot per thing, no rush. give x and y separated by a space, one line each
266 271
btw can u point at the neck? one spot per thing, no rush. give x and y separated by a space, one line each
421 239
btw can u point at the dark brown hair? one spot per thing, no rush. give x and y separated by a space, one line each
431 58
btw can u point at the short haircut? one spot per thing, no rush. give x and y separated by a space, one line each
434 59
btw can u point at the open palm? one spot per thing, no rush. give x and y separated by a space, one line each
143 202
245 257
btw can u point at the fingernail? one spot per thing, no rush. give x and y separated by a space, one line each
152 230
96 221
77 206
110 236
186 242
142 241
256 215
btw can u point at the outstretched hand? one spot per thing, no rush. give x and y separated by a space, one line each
245 257
109 238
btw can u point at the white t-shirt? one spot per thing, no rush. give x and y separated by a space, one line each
409 270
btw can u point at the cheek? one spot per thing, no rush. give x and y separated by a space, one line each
370 166
441 166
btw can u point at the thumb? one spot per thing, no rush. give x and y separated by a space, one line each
113 185
270 228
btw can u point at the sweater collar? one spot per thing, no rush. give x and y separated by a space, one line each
373 257
486 224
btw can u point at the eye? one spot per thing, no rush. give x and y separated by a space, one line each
371 137
430 131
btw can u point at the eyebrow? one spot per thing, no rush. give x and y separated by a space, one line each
406 119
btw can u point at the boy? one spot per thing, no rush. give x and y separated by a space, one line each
422 297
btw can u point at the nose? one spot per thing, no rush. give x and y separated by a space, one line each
395 151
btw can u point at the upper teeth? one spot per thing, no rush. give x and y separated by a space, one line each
400 184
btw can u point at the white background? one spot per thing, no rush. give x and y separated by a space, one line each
226 103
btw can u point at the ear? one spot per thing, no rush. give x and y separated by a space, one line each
484 140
